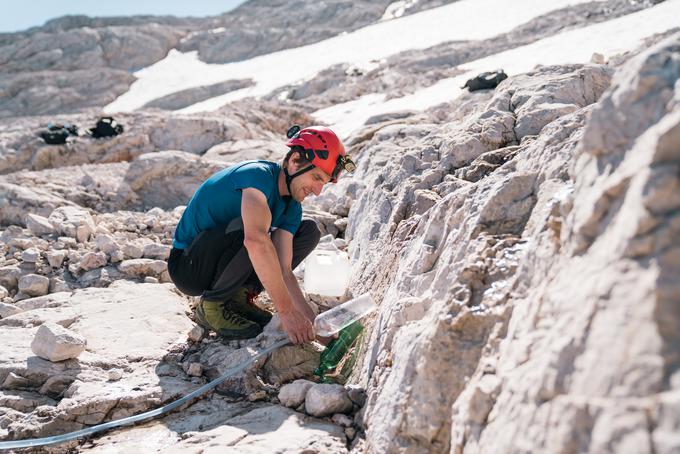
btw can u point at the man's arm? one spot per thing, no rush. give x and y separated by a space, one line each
256 221
283 243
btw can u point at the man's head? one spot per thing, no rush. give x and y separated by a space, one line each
310 181
316 151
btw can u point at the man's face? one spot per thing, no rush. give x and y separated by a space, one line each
308 183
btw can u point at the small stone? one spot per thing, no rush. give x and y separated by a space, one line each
350 432
57 284
7 310
293 394
356 394
325 399
117 256
14 381
4 293
195 370
165 277
20 296
115 374
55 386
66 242
34 285
106 243
143 267
257 395
341 420
340 243
39 225
157 251
53 342
597 58
30 255
92 260
151 280
196 333
132 251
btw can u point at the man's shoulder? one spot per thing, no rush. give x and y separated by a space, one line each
261 175
260 165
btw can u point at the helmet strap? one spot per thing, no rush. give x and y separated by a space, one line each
289 177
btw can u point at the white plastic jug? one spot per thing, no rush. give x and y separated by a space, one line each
326 273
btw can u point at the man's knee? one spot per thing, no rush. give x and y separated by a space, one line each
309 232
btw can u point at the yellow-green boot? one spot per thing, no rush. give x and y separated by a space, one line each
216 316
243 303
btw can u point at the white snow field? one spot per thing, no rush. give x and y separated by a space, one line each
463 20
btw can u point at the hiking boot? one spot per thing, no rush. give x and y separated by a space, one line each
215 316
243 303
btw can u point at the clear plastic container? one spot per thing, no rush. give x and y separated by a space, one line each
333 320
326 273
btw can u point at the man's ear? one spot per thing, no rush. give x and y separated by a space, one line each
295 161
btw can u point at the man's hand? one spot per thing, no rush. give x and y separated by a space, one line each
297 326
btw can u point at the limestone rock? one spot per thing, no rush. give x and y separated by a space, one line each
92 260
142 267
195 369
356 394
30 255
14 381
7 310
73 222
324 400
56 343
16 201
341 420
115 374
156 251
261 428
168 178
39 225
3 292
291 362
9 276
56 257
293 394
196 333
34 285
107 244
132 251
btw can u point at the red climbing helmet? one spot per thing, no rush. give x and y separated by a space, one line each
322 148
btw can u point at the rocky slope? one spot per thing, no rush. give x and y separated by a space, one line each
521 243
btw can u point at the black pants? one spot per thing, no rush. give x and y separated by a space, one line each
216 264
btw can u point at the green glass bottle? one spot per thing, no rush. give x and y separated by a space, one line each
337 348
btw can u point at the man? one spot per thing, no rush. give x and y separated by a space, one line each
243 229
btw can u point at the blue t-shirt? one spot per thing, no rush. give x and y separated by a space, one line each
218 201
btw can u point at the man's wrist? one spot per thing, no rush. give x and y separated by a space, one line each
284 306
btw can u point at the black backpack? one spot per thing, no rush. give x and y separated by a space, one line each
56 134
106 127
485 81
